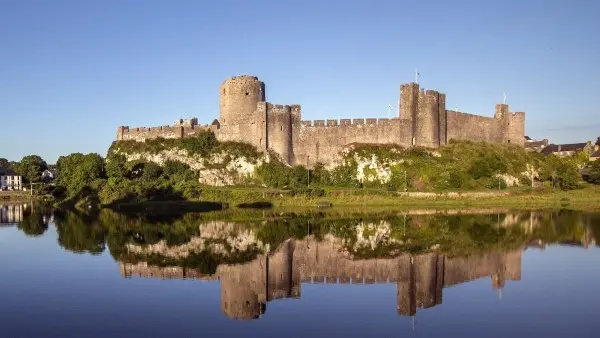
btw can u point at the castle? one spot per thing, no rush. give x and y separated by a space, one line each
423 121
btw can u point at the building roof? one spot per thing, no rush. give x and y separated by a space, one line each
596 153
7 172
553 148
527 138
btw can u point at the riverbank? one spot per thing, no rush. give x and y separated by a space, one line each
17 197
588 197
585 198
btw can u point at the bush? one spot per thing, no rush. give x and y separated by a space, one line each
595 172
116 165
274 174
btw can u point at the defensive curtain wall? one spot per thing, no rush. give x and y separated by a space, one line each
419 279
423 120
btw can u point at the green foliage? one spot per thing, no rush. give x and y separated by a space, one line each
597 141
204 145
116 165
459 165
276 174
319 175
595 172
563 173
581 159
4 164
147 181
31 168
150 171
487 165
172 168
77 172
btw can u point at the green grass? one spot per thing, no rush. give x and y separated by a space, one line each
588 197
585 198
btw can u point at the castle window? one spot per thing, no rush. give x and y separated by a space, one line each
281 128
223 91
247 93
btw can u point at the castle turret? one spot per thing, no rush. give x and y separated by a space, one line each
427 120
238 98
240 120
121 130
501 111
279 130
513 124
516 128
426 113
409 103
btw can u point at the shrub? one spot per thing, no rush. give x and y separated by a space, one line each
595 172
274 174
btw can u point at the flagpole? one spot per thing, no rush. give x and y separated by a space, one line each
416 75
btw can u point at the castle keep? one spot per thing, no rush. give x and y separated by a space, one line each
423 121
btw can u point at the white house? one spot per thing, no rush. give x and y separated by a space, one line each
9 180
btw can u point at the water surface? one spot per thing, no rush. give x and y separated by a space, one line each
492 274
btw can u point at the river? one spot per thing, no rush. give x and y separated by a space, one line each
335 272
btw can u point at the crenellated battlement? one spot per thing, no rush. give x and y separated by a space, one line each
347 122
140 134
422 120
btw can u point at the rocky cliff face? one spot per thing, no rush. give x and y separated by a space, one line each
219 169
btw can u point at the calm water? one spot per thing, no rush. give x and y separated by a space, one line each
414 274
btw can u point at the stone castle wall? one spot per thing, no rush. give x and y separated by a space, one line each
321 141
423 120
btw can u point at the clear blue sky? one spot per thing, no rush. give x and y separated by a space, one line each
72 71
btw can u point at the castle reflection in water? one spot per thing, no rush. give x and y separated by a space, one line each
419 279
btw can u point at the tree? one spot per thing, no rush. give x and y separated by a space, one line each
78 171
595 172
151 171
598 141
568 175
4 164
31 168
116 165
581 159
562 172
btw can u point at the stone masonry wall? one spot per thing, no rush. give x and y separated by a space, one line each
321 141
470 127
279 130
423 120
169 132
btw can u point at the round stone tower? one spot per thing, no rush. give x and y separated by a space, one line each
238 98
